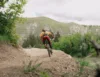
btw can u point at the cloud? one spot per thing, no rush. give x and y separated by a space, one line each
65 10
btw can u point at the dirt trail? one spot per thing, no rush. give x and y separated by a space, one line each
36 52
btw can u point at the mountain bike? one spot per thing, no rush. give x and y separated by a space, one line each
48 48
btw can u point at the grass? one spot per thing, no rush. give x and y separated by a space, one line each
31 68
44 74
82 63
82 68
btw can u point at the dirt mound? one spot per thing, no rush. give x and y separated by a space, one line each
58 64
9 53
12 59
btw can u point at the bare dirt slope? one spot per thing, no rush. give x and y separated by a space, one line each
59 63
13 59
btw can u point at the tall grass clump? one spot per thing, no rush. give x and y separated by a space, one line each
44 74
31 68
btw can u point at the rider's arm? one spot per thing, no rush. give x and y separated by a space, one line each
41 35
52 35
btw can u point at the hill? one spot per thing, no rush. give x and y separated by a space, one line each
34 25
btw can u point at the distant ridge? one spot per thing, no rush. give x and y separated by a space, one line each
34 25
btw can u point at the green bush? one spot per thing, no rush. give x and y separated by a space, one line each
4 38
75 45
32 41
9 39
8 19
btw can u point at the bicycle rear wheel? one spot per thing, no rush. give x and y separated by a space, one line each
48 47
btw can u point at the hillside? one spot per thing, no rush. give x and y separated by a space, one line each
34 25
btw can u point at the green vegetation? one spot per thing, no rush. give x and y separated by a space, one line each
4 38
34 69
44 74
76 45
82 63
31 68
37 23
8 18
82 67
32 41
74 39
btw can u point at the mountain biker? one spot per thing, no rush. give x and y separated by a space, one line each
46 35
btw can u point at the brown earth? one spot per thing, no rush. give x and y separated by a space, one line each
13 60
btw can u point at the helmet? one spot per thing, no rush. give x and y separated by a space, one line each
43 30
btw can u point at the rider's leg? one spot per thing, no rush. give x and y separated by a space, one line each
50 47
43 40
48 38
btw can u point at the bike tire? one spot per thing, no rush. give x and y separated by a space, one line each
48 48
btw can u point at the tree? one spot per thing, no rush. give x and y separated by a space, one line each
57 36
2 2
9 13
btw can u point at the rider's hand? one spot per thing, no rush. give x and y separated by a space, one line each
53 39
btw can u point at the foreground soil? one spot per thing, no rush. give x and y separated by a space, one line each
13 60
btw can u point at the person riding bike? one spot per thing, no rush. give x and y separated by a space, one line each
46 35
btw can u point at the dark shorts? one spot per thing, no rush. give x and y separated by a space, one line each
46 38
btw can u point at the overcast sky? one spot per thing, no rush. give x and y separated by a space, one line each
80 11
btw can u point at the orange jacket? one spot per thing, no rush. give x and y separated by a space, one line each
47 33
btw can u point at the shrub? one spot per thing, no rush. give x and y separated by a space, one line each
75 45
57 36
8 16
32 41
4 38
